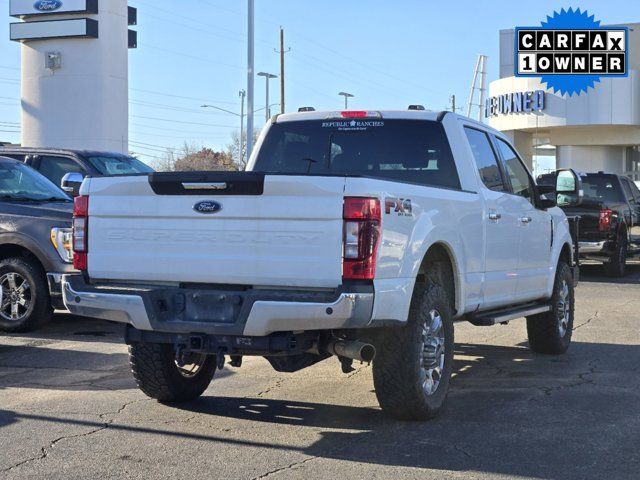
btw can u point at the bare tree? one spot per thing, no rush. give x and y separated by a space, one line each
167 162
233 149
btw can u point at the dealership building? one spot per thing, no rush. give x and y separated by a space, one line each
589 132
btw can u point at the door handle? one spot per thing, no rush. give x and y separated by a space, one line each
494 216
204 185
525 219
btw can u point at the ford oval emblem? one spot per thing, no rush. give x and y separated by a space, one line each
207 206
47 5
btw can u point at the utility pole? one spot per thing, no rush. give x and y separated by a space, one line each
250 74
242 94
481 72
453 103
282 51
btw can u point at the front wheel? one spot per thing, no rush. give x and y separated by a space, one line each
167 377
24 295
412 369
550 332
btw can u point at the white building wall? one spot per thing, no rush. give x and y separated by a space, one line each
84 104
591 158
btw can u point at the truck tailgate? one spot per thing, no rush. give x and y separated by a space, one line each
272 230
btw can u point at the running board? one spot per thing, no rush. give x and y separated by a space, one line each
492 317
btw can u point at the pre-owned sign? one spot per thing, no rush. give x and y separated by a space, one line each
517 102
31 8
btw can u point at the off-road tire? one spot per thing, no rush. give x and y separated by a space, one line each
544 330
157 375
39 311
397 365
616 266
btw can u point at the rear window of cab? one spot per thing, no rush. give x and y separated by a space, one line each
412 151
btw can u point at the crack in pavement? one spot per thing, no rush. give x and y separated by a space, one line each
46 450
583 380
282 469
277 384
587 321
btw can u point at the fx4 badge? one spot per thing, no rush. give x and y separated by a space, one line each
401 206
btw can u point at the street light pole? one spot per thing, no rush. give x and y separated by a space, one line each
267 77
250 25
346 99
242 94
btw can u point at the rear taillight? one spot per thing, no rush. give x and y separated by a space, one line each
360 238
604 222
80 232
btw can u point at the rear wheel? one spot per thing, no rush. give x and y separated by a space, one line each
616 266
413 365
162 374
550 332
24 295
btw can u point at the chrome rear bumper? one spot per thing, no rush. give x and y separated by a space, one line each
347 310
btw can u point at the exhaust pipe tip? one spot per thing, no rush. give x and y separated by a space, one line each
367 352
363 352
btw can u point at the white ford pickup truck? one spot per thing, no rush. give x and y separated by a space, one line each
359 234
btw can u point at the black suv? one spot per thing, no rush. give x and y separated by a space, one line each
67 168
35 246
609 219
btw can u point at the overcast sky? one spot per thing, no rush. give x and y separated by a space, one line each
387 53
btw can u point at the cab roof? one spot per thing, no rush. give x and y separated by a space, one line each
372 114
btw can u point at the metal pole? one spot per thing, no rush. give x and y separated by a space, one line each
473 86
281 70
483 85
346 102
241 152
250 13
266 107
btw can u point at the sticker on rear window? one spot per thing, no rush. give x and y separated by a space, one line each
353 125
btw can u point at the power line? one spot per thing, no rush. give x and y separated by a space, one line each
172 108
199 99
163 135
194 57
182 122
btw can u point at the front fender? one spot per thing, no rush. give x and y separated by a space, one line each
561 239
49 264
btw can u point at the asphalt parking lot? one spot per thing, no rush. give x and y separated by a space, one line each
69 409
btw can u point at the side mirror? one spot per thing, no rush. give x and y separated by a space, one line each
547 196
71 182
569 191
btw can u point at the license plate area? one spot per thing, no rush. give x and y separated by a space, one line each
199 306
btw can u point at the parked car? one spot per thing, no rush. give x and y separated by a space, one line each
609 219
356 234
35 246
67 168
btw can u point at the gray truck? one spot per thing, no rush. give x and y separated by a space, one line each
35 246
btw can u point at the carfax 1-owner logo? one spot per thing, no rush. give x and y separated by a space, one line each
570 51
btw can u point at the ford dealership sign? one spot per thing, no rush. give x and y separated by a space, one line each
41 8
47 5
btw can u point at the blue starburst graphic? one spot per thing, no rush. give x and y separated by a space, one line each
571 20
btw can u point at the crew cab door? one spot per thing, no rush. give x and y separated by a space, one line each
534 225
501 230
